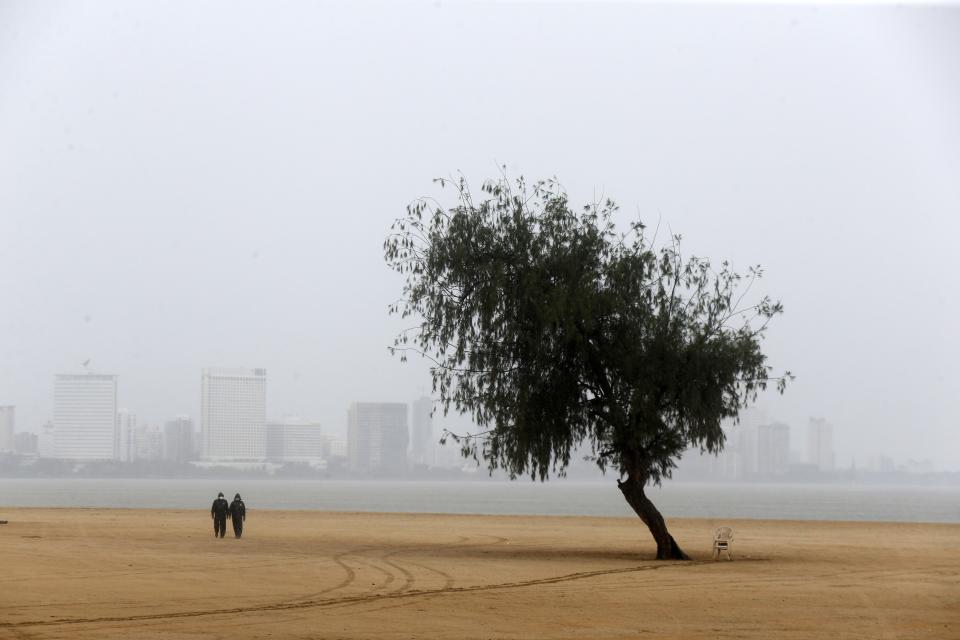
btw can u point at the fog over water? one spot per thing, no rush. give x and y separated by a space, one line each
185 185
693 500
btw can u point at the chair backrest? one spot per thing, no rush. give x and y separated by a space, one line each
723 534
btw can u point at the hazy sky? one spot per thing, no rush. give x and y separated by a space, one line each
190 184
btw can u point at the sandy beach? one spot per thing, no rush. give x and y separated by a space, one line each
114 573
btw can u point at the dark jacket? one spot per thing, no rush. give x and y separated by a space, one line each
220 508
237 510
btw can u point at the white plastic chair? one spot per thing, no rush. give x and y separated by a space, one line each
722 538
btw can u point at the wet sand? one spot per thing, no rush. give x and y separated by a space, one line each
114 573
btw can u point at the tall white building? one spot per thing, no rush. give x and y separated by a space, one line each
377 437
233 408
820 444
421 441
6 428
85 417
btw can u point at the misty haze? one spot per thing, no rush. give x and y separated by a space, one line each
463 300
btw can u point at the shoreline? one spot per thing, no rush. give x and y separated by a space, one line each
4 510
782 502
472 481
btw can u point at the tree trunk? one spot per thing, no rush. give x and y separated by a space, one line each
667 547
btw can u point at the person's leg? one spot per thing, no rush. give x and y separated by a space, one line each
216 527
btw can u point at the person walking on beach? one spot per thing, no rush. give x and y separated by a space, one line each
219 514
238 513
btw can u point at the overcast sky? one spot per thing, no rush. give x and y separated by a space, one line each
188 184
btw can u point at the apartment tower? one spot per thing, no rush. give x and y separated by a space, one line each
233 414
820 444
85 417
377 437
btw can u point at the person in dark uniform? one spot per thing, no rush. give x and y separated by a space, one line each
219 514
238 513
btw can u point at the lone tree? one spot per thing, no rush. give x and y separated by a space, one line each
555 332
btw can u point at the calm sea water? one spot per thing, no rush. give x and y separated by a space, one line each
787 501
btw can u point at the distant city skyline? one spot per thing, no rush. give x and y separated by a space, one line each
90 426
813 443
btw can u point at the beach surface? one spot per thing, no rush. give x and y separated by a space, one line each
118 573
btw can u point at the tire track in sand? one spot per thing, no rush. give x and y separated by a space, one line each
409 580
461 543
448 580
357 599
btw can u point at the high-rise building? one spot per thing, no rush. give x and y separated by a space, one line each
6 428
820 444
773 449
148 441
421 442
233 417
85 416
294 440
25 443
739 456
179 440
127 435
377 437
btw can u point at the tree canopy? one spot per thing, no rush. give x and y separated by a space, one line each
556 332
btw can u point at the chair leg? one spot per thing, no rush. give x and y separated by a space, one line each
716 553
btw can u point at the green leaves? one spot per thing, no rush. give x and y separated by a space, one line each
553 330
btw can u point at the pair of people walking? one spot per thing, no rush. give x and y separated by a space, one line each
219 511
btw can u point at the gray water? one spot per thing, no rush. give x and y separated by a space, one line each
565 497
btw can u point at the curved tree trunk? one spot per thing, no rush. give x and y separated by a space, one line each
667 547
